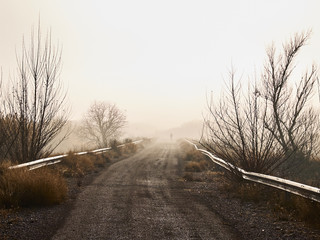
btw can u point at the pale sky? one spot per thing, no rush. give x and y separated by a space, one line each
156 59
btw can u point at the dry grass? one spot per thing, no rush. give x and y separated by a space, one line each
78 166
194 162
101 160
20 187
285 206
130 148
307 210
46 186
194 155
114 154
288 206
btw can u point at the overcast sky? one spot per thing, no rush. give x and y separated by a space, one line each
156 59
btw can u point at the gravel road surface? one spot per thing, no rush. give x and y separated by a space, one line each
143 197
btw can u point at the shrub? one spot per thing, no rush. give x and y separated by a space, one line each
286 206
77 166
101 160
20 187
269 127
194 155
114 146
130 148
196 161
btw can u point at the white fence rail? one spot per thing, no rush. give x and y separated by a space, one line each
300 189
56 159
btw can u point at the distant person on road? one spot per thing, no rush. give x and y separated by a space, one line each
171 136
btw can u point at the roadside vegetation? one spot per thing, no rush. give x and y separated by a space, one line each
195 164
33 107
33 113
49 185
33 110
285 206
270 126
24 188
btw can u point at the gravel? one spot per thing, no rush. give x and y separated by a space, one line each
176 199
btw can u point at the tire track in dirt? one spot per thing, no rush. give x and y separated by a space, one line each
142 198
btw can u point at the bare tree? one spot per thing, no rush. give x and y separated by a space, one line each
235 131
103 122
293 123
3 135
270 126
36 106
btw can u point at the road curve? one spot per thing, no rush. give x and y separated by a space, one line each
142 197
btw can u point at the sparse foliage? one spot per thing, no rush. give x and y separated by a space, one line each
235 130
102 123
35 110
4 123
293 123
270 127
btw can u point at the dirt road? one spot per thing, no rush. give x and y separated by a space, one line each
142 197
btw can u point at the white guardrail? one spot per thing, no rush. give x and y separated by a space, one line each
56 159
300 189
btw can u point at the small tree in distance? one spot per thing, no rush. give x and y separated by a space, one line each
102 123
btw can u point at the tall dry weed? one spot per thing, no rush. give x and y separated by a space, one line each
76 166
21 187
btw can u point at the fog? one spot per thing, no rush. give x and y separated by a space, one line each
156 60
75 142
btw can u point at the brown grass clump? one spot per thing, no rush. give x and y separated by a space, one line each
193 162
21 187
101 160
130 148
286 206
189 153
114 147
193 166
77 166
307 210
111 154
194 155
248 191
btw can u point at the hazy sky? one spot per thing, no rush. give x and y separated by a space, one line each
156 59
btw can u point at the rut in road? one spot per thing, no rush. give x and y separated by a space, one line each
142 197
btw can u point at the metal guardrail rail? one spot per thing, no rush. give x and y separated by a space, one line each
56 159
296 188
